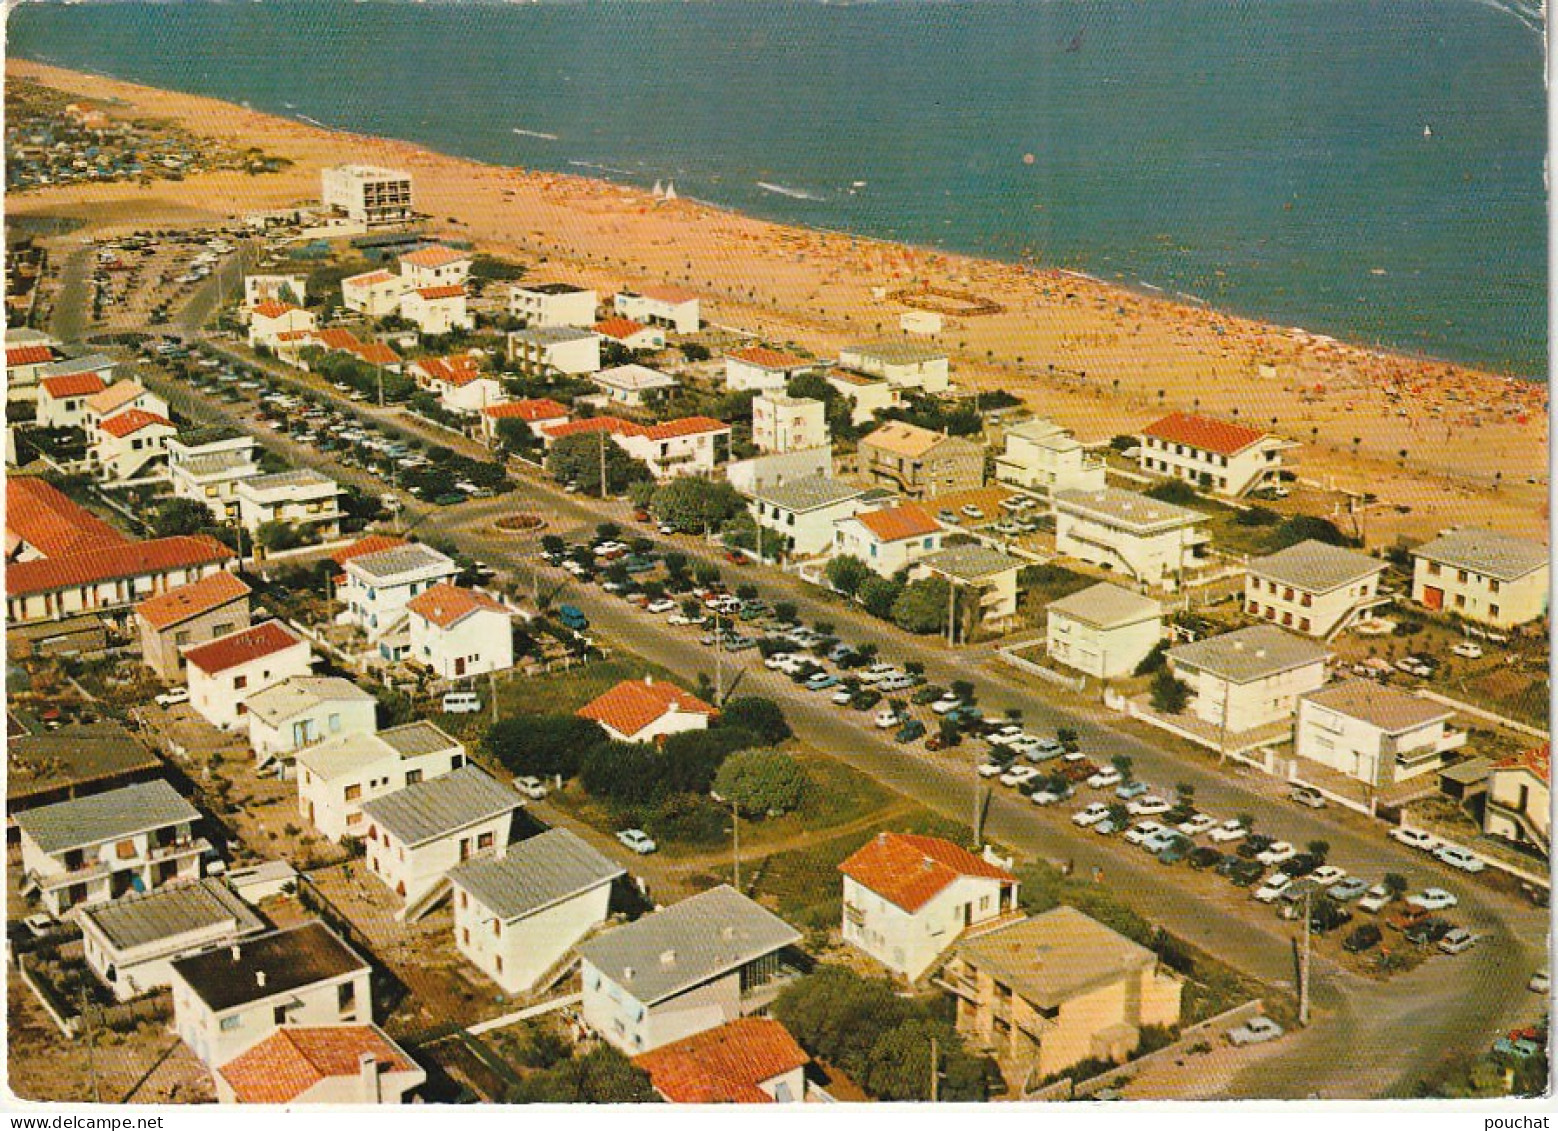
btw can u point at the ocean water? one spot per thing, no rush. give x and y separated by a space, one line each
1268 157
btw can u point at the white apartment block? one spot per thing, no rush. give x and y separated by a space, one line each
1379 735
1313 588
675 308
302 498
340 774
1249 678
1212 455
541 350
903 365
1482 575
782 423
367 193
379 585
209 471
1103 631
553 304
1043 457
1142 538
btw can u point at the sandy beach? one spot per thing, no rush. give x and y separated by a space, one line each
1451 444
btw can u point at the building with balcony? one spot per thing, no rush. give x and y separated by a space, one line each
887 539
1482 575
1313 588
130 445
337 775
541 350
302 498
685 969
798 516
303 710
379 585
109 845
903 365
1104 631
1379 735
908 899
782 423
1248 679
1212 455
672 307
635 386
984 579
367 194
1043 457
187 617
553 304
223 674
920 463
1142 538
762 369
209 468
1519 802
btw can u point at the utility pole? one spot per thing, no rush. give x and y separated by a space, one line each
1303 969
719 671
935 1074
1222 728
602 435
952 610
492 691
378 369
735 829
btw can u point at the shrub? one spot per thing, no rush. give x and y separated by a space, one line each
760 782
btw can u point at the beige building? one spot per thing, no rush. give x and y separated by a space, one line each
1250 678
1142 538
1056 989
1379 735
1104 631
1519 805
189 616
1482 575
921 463
1042 456
1313 588
1213 455
867 396
903 365
782 423
368 194
980 574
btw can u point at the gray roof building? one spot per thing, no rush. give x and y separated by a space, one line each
1106 606
535 874
168 913
970 563
91 363
1486 552
293 696
268 966
115 815
552 335
75 757
296 477
687 944
412 740
1114 507
812 492
1316 567
1248 654
1051 958
442 805
897 353
1390 709
215 463
401 559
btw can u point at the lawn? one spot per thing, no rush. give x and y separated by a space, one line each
564 691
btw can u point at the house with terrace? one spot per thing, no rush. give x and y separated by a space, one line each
1212 455
635 386
1142 538
302 710
339 773
269 321
1104 631
208 468
187 617
1043 457
304 499
1518 808
902 364
225 673
542 350
666 305
1484 576
458 381
921 463
121 396
553 304
1375 734
1314 588
379 585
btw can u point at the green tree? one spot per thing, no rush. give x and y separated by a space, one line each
879 595
515 436
1169 695
1319 848
1125 764
900 1067
1175 491
691 503
847 573
921 607
759 782
837 1014
277 536
1068 737
1306 528
577 459
541 745
1154 660
179 516
1395 883
601 1076
759 716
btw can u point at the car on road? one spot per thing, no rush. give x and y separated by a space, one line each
821 681
1347 889
1364 937
1148 806
1327 874
911 730
1197 825
1457 940
1019 774
174 697
1255 1031
1433 899
1131 790
1376 899
1458 857
1090 815
681 620
1230 830
663 605
1427 931
1467 650
530 787
1104 778
887 718
637 840
1307 795
1178 847
1277 853
1414 838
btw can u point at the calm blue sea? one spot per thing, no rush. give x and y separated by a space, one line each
1264 156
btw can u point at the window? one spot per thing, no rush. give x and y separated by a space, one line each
229 1024
181 638
1492 585
497 929
483 840
352 792
346 998
1460 600
1493 611
125 850
413 777
334 723
456 761
240 682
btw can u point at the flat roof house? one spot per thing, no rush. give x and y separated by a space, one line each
417 834
1214 455
107 845
369 194
1104 631
921 463
903 365
888 539
1056 989
1482 575
301 498
635 386
801 513
108 579
540 350
1249 678
763 369
188 616
1042 456
1379 735
985 574
338 775
520 913
321 1064
74 760
751 1060
867 396
380 584
227 1000
209 469
782 423
302 710
223 674
685 969
1313 588
908 899
459 633
673 307
553 304
1143 538
646 710
131 943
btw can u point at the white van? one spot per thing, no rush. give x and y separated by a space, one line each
461 702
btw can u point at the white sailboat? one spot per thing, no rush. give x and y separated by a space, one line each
657 192
670 191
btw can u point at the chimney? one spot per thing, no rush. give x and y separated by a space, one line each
649 681
237 953
259 978
1238 645
668 958
727 932
627 973
1260 653
368 1075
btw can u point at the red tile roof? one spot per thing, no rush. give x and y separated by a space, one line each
28 355
619 328
892 524
669 294
724 1065
456 369
264 639
52 524
108 563
1204 433
73 385
909 870
377 353
435 256
685 426
371 278
294 1059
131 421
115 397
440 292
539 408
1538 760
372 544
274 309
682 426
177 605
768 358
446 605
633 704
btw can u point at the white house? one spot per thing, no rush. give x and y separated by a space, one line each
1103 631
378 585
646 711
521 911
416 834
274 288
684 969
977 573
62 401
635 386
131 943
673 307
540 350
1213 455
751 1060
1250 678
121 396
903 365
29 366
108 579
107 845
802 513
1519 802
305 709
888 539
270 320
763 369
320 1064
131 444
436 310
209 471
782 423
553 304
460 633
1482 575
1313 588
374 293
302 498
631 335
1042 456
458 381
867 396
1379 735
224 673
908 898
1143 538
368 194
538 413
435 266
765 472
338 775
224 1001
24 364
688 445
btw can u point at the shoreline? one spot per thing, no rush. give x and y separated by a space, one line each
1088 352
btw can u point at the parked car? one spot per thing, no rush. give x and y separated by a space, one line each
1347 889
1205 857
530 787
947 702
1177 849
663 605
1197 825
1363 937
1326 916
896 683
1255 1031
1090 815
461 702
1141 830
1522 1049
1148 806
1277 853
1541 982
173 697
1414 838
1254 845
887 718
1307 795
992 769
1230 830
1327 874
1375 899
1052 791
1019 774
1156 841
1433 899
1457 940
1272 887
1427 931
821 681
1243 873
1104 778
1467 650
910 731
637 840
1131 790
1458 857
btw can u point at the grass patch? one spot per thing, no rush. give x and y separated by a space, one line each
563 692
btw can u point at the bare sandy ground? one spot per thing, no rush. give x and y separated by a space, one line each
1451 444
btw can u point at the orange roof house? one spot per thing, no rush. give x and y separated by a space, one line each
72 385
179 605
321 1064
530 411
446 605
264 639
274 309
115 563
909 870
434 256
39 516
127 423
746 1061
765 358
619 329
893 524
646 710
1204 433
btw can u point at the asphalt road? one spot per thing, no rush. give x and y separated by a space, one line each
1368 1039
